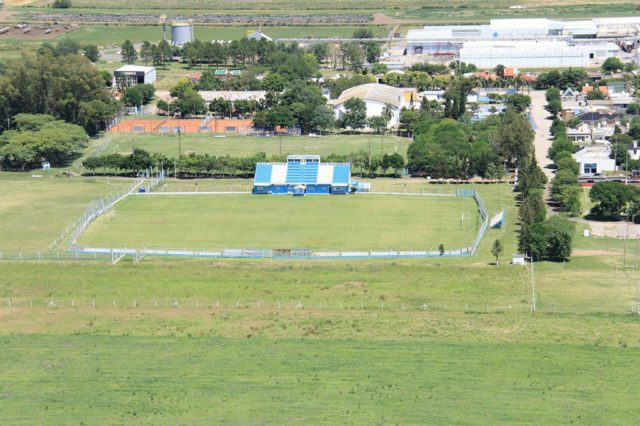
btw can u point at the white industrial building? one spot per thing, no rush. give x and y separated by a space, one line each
533 53
450 39
376 97
130 75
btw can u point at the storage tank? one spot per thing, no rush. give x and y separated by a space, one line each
181 33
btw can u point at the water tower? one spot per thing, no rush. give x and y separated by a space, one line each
181 33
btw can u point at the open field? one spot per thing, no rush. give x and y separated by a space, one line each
395 10
35 211
106 35
361 222
286 381
361 349
247 145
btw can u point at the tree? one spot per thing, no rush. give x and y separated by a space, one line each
554 106
66 47
393 161
497 249
378 123
441 249
518 102
323 119
91 52
499 70
612 65
611 199
363 32
146 52
128 52
372 51
56 85
62 4
553 93
190 103
340 84
352 56
302 98
516 137
41 138
560 145
355 115
559 236
183 85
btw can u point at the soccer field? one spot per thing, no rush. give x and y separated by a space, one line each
237 146
359 222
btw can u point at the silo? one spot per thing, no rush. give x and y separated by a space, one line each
181 33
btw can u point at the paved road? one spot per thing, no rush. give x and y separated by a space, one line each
541 122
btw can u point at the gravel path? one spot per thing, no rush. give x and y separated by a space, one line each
541 122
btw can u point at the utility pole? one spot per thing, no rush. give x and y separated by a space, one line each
533 285
179 142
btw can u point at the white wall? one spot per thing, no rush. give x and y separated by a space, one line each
150 77
374 108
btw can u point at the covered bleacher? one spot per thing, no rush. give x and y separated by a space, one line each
302 174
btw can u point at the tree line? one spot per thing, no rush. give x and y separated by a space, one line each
565 187
205 165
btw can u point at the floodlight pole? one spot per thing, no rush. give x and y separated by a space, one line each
533 285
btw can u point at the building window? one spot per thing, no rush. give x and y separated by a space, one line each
590 168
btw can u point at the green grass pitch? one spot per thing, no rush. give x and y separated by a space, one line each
356 222
237 146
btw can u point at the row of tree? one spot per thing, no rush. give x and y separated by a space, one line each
565 188
205 165
539 237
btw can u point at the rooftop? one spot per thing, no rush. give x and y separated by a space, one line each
135 68
374 92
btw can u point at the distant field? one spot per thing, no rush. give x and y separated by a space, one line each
248 145
105 35
430 11
361 222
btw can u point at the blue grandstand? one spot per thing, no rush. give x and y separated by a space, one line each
302 174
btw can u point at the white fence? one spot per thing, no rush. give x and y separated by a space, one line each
101 205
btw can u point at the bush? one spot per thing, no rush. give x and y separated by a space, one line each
62 4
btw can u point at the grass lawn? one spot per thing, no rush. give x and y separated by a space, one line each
361 222
285 381
35 211
237 146
361 350
107 35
